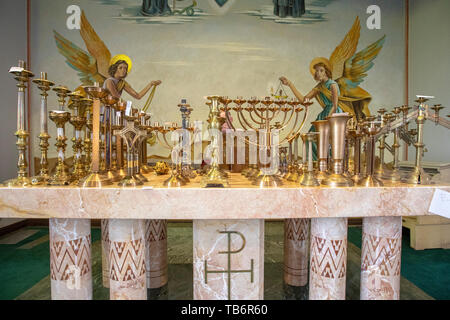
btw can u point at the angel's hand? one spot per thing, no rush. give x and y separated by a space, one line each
285 81
156 83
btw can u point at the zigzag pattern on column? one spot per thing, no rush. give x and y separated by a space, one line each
64 254
328 257
297 229
383 253
127 260
155 230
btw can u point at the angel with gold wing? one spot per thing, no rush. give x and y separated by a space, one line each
96 65
339 78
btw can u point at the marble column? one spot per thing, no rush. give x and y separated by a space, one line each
156 253
328 259
381 258
228 259
70 259
105 252
296 251
127 280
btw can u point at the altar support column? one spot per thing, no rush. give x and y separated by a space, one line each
328 259
296 251
127 280
70 259
228 259
105 252
156 253
381 258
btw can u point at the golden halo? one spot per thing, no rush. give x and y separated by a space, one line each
124 58
317 60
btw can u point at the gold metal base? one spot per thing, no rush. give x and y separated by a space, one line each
130 182
337 180
174 181
357 178
40 180
321 175
308 180
418 176
113 176
392 175
294 176
267 181
18 182
122 173
140 177
94 180
60 179
146 169
214 179
370 181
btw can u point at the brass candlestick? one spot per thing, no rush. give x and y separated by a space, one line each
294 174
78 121
87 147
131 135
356 133
61 176
418 176
117 126
109 101
139 147
95 180
338 123
308 178
44 85
381 169
22 76
145 168
214 177
323 128
371 128
394 174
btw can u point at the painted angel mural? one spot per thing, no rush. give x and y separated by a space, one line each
339 78
97 65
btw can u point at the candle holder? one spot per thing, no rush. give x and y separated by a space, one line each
22 76
44 85
308 178
95 179
61 177
381 169
214 177
109 102
371 128
117 126
394 174
356 134
138 155
86 103
338 123
323 128
131 135
186 170
77 120
295 171
419 176
145 168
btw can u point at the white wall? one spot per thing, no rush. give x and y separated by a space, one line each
429 69
13 28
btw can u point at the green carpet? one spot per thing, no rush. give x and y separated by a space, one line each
24 267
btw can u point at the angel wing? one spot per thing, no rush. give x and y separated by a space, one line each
345 50
79 60
356 67
95 46
92 66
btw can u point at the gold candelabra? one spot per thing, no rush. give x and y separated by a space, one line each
22 76
77 120
44 86
371 128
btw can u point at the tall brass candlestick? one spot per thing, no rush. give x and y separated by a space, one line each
78 121
356 133
418 176
44 85
394 175
22 76
323 128
214 177
380 168
109 102
308 179
95 180
371 128
338 124
119 125
61 176
87 104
